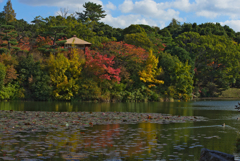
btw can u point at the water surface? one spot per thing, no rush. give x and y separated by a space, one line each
144 141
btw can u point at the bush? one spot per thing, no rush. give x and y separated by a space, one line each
10 92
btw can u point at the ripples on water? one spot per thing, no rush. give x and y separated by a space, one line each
144 141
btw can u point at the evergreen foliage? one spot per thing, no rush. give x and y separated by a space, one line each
138 63
8 12
8 38
56 34
92 11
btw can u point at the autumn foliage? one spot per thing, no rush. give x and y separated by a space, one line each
101 66
9 63
42 41
24 44
149 73
124 50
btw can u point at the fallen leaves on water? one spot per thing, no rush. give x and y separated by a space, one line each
49 121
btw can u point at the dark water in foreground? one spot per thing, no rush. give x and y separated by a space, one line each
144 141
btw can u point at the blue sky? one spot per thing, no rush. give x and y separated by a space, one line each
122 13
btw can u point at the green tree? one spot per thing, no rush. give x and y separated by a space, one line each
133 29
8 38
220 63
2 19
65 73
57 33
92 11
181 53
73 27
139 40
34 78
8 12
2 75
8 90
215 58
174 28
190 42
148 29
102 29
177 77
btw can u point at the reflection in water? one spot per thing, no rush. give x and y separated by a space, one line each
134 141
174 108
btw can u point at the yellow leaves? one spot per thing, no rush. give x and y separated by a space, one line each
151 85
159 82
151 71
58 67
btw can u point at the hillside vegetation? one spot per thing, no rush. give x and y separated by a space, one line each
137 63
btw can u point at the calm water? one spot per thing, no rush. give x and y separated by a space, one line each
144 141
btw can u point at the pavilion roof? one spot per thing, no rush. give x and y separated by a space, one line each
77 41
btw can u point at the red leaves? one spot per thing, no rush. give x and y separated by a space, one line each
41 41
121 49
24 44
101 66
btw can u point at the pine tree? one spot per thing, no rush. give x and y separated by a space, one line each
92 11
8 38
9 13
56 33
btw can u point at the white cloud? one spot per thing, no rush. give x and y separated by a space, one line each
210 8
149 8
127 6
181 4
73 5
208 14
1 1
125 21
110 6
152 12
234 24
205 8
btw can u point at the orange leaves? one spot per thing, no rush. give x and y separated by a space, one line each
214 64
11 74
41 41
9 63
24 44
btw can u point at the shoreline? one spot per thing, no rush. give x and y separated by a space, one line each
217 98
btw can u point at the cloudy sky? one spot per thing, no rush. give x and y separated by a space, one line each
122 13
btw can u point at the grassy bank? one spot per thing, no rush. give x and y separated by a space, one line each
231 93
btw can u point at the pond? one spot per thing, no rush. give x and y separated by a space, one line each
142 141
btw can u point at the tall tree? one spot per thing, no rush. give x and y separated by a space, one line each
92 11
57 35
148 75
177 77
133 29
139 40
8 38
9 13
2 74
65 73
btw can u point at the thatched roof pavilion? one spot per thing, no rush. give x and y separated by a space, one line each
79 43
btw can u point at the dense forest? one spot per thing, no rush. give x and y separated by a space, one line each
138 63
